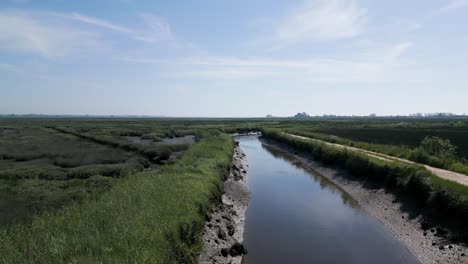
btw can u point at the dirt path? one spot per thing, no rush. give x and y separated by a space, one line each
444 174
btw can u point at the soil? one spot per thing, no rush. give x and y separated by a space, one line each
223 235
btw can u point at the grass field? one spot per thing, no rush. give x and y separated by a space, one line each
400 138
82 190
145 218
46 164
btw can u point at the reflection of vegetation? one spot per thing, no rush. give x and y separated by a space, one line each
324 182
439 197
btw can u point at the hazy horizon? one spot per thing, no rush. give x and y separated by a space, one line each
143 116
233 59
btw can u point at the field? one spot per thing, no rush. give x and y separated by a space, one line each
46 165
102 190
396 137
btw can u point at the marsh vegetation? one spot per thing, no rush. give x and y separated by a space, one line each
103 190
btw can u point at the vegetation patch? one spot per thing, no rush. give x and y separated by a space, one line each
433 151
439 199
146 218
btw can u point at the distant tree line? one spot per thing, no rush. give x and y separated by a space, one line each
374 115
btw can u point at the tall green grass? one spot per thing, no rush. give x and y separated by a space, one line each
438 198
405 152
145 218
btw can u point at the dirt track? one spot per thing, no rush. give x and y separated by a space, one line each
444 174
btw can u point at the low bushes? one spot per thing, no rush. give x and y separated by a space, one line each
156 153
109 170
146 218
44 172
419 155
440 198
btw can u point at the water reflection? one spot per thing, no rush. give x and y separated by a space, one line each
298 216
324 183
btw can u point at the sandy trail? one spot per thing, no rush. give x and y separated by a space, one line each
444 174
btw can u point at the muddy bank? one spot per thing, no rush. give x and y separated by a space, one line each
223 235
426 245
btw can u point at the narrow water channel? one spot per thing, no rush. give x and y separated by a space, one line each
297 216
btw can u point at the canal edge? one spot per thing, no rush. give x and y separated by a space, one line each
223 235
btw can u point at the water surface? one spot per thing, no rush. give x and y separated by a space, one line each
298 216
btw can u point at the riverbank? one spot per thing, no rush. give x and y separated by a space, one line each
223 234
426 245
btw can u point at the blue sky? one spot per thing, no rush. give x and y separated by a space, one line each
233 58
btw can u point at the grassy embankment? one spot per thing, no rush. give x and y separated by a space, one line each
145 218
413 154
440 200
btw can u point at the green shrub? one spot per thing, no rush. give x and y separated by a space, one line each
146 218
45 172
110 170
459 167
158 153
98 184
438 147
433 151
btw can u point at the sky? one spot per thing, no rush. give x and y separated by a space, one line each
243 58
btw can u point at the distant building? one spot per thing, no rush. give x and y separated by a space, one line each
302 115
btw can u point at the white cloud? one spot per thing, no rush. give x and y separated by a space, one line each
98 22
54 34
42 33
456 4
323 20
369 68
400 49
157 28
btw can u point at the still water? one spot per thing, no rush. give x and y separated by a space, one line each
298 216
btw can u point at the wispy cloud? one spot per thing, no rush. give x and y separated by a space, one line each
227 73
456 4
42 33
55 34
156 28
322 20
331 70
400 49
9 67
98 22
